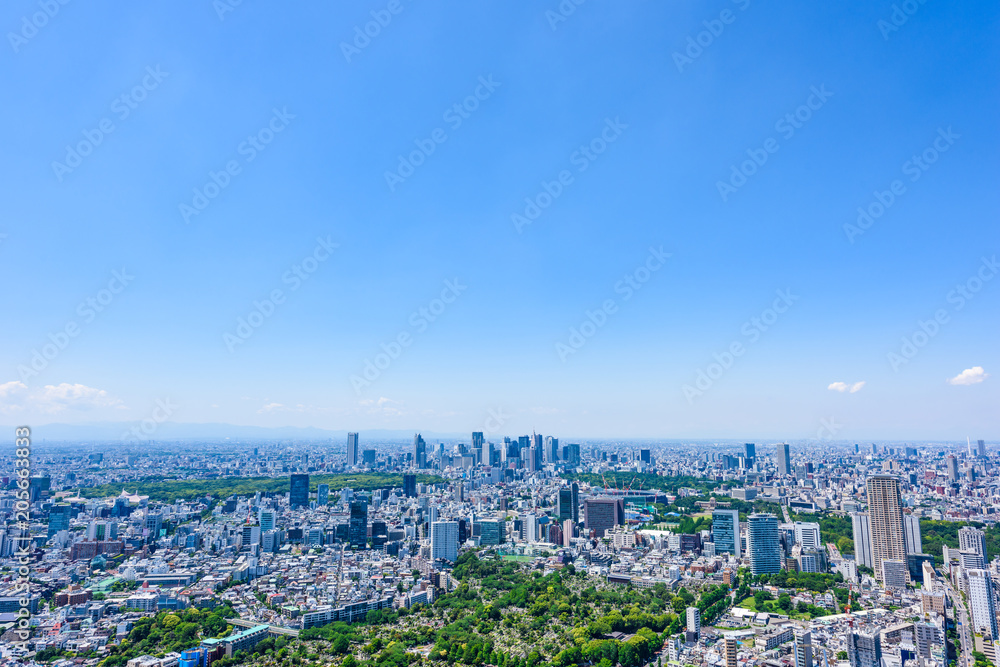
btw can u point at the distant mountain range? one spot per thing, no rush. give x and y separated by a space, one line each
173 431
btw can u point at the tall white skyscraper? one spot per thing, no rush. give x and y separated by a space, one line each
694 621
444 540
911 534
982 604
972 539
885 512
807 535
862 539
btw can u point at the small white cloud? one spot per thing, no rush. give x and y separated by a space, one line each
271 407
843 386
973 375
65 396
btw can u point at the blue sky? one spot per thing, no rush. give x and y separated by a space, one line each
604 100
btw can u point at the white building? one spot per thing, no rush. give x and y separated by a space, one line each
444 540
981 603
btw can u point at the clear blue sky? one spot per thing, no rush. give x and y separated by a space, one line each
338 123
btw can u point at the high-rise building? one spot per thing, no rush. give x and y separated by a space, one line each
729 649
572 455
895 573
58 519
783 459
551 449
646 456
807 535
982 603
368 458
569 503
410 486
972 539
981 448
352 450
694 621
803 647
603 513
750 452
477 440
419 452
864 649
444 540
951 465
99 531
266 520
529 527
726 531
885 512
862 539
911 534
357 529
153 524
323 495
763 544
492 532
299 490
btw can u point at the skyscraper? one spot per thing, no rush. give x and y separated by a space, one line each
419 452
726 531
783 459
323 494
972 539
911 534
444 540
763 544
299 490
645 455
569 503
862 539
357 529
694 621
864 650
982 603
803 647
352 450
266 519
58 519
602 514
410 486
951 464
981 446
885 513
750 450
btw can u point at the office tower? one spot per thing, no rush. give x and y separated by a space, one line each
38 488
299 491
352 450
911 534
58 519
569 503
895 573
807 535
529 527
982 603
645 456
862 540
885 512
763 544
726 531
694 621
729 648
864 649
602 514
100 531
573 454
981 448
266 520
410 486
568 528
477 440
783 460
323 495
368 458
380 534
357 529
523 443
951 465
803 647
492 532
153 523
444 540
251 536
750 452
972 539
419 452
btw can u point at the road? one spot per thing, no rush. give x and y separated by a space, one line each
963 623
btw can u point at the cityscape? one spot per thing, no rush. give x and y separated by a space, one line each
564 333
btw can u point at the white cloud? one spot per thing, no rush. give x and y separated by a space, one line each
65 396
973 375
857 386
843 386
